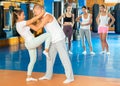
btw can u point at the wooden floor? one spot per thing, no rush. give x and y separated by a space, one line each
17 78
97 70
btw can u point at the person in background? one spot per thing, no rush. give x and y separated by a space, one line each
103 27
68 22
85 29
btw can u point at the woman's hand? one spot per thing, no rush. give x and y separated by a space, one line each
108 25
82 24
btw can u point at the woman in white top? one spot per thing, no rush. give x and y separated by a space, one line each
85 29
23 28
103 27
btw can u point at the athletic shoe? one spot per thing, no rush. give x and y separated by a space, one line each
108 53
44 78
31 79
70 52
92 53
46 54
84 52
68 81
102 52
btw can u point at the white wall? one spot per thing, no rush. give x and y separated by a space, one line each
112 1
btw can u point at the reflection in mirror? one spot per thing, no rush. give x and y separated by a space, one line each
8 27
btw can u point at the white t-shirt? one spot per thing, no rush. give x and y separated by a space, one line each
24 31
55 30
85 21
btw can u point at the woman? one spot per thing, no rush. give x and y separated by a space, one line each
85 29
68 23
31 42
103 27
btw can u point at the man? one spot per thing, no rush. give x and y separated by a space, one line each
58 44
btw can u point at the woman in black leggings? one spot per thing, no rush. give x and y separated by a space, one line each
68 23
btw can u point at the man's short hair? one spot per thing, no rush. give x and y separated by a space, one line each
37 6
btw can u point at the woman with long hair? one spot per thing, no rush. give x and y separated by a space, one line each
31 43
68 22
103 27
85 29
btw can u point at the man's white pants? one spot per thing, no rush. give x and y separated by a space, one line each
60 48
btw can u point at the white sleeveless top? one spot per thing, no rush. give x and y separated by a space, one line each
85 21
103 20
55 30
24 31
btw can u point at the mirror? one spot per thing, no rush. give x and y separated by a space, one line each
7 24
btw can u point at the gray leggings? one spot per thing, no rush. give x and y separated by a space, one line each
32 45
86 33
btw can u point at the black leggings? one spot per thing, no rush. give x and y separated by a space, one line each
68 30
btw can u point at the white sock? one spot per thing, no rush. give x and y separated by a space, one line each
46 54
31 79
44 78
68 81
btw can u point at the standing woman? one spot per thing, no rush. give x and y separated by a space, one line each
103 27
68 22
85 29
